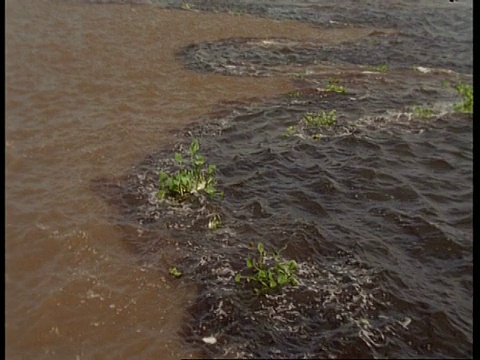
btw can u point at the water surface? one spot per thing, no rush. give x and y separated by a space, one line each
377 211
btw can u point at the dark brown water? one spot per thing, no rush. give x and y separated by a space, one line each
376 210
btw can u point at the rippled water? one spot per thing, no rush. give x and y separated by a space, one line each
376 210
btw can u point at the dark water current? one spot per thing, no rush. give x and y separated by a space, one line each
377 212
376 209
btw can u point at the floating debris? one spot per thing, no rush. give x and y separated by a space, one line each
210 340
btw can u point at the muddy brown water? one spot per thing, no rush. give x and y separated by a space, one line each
377 210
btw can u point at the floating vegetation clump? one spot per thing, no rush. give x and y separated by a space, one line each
311 123
334 86
266 277
340 296
294 94
189 180
175 272
320 119
466 93
380 68
423 111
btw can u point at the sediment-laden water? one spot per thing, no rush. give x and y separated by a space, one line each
376 209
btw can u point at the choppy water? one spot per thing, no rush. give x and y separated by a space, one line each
376 210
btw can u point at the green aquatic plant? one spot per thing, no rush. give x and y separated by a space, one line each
290 130
271 277
300 76
294 94
312 120
382 68
334 86
466 93
193 180
423 111
320 119
175 272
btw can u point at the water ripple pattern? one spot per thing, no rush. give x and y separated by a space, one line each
375 207
430 34
377 212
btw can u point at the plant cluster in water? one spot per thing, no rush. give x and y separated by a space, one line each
320 119
334 85
313 120
294 94
193 180
466 92
423 111
271 277
290 131
382 68
175 272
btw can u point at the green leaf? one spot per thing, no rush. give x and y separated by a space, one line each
163 176
238 277
260 248
199 160
175 272
184 180
194 147
178 158
282 280
262 274
210 190
249 263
